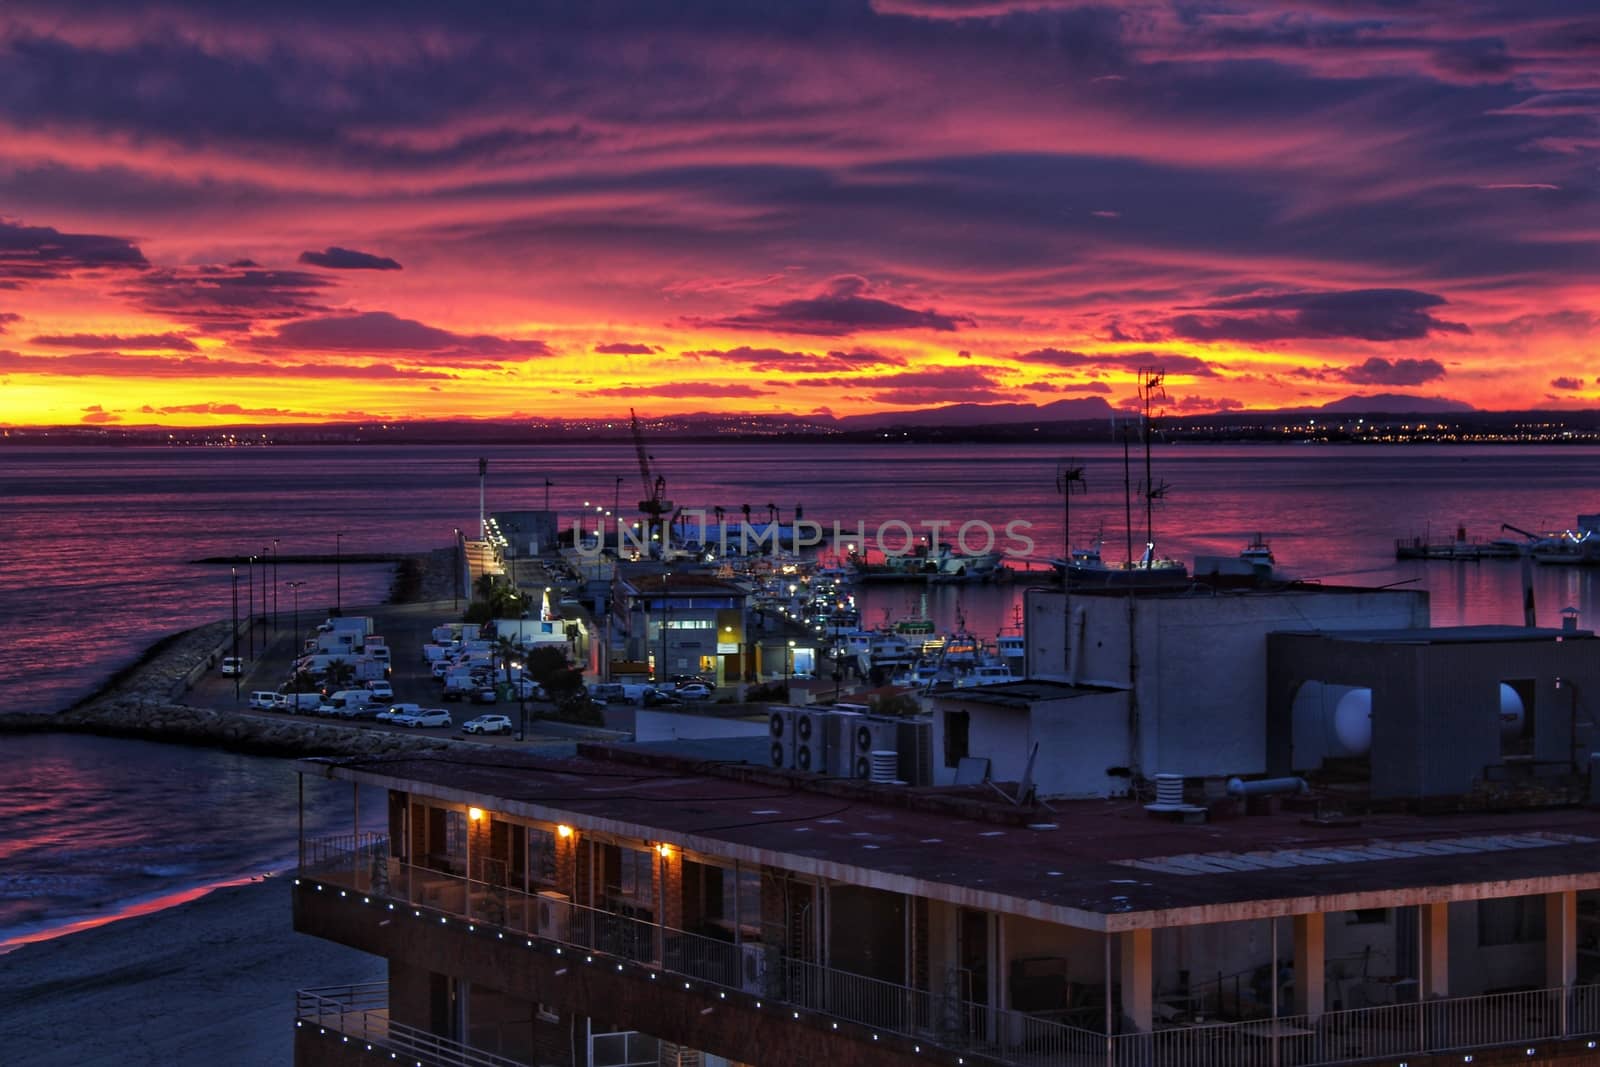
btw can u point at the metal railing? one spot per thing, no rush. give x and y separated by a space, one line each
625 1048
361 1013
952 1022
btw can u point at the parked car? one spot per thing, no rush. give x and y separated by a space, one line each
486 695
527 689
681 680
263 699
363 712
425 717
396 710
654 698
381 690
694 691
487 724
232 665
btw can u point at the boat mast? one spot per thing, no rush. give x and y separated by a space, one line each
1127 493
1149 385
1069 480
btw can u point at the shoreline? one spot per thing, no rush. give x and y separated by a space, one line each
143 699
212 977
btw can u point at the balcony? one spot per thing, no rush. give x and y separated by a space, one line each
358 1016
1542 1020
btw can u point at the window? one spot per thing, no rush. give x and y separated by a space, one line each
541 856
1367 917
741 897
636 871
957 726
455 835
1510 921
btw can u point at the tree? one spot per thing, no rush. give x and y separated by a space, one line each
341 674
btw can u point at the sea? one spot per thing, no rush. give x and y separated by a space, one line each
98 551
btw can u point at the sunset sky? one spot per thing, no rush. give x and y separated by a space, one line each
287 211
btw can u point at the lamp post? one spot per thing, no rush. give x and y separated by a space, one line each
249 619
294 589
616 506
455 583
789 665
338 586
274 586
234 571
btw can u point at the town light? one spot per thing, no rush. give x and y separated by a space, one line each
563 831
475 814
665 850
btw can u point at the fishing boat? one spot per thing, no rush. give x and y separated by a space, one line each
1258 553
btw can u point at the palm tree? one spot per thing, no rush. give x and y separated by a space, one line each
340 675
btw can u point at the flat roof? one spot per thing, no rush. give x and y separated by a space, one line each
1021 693
1082 868
1448 635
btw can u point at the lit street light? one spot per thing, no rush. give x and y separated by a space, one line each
338 588
294 589
789 672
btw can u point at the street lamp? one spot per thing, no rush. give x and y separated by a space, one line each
789 673
338 587
455 584
249 619
234 571
294 589
274 586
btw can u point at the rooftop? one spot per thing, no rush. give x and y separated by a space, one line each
1019 694
1450 635
1093 865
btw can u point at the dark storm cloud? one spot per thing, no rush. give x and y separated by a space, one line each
119 365
1378 371
381 331
1362 314
230 297
168 342
1569 385
624 348
336 258
840 308
43 253
1167 362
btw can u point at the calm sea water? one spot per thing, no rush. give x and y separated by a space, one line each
96 544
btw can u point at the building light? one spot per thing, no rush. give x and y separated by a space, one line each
665 850
563 831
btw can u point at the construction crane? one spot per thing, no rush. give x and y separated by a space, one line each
654 505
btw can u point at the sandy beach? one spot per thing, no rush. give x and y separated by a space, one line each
210 981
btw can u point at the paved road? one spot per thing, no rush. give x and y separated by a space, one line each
405 627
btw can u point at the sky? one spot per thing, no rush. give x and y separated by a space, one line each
216 213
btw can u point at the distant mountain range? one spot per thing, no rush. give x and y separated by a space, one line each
1090 408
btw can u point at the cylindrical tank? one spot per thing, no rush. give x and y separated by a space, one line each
1352 722
885 766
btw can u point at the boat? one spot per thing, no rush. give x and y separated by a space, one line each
986 674
1258 553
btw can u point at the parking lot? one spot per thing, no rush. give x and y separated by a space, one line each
405 628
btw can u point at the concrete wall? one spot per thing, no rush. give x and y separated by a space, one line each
672 725
1079 739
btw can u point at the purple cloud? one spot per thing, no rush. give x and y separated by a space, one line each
167 342
43 253
381 331
1377 371
840 308
336 258
1361 314
625 348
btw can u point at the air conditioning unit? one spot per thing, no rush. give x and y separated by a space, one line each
867 736
753 968
552 912
915 738
780 737
813 732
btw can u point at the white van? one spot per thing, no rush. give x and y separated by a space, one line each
302 703
264 699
